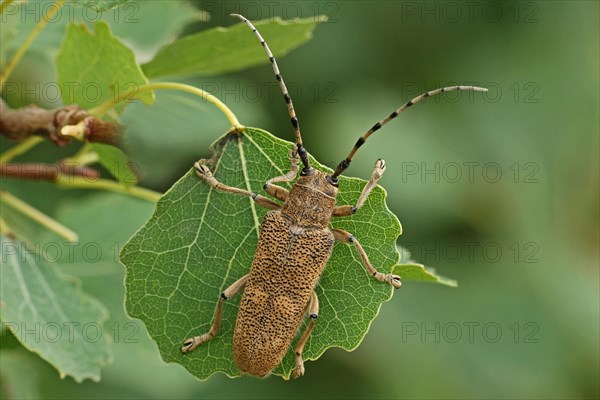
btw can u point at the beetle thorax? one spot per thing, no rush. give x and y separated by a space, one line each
311 200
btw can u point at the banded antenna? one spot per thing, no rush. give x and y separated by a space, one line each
346 162
288 100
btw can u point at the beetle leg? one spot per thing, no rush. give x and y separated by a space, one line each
313 313
193 342
277 191
347 237
343 211
204 173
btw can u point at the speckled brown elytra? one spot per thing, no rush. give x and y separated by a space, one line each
294 246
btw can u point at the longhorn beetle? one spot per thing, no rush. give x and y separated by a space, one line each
294 246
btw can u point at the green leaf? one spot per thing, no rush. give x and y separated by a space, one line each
148 25
50 315
223 50
93 67
116 162
199 241
144 25
419 272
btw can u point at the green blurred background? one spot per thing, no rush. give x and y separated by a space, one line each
498 191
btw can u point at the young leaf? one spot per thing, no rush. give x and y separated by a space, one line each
93 67
223 50
199 241
419 272
49 314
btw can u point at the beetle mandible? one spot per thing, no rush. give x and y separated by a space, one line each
294 246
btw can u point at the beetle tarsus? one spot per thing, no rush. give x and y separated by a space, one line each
393 280
190 344
202 171
299 369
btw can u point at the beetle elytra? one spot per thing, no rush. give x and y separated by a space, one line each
294 246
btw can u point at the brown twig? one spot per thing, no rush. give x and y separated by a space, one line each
32 120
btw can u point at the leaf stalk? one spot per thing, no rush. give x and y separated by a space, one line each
106 106
38 216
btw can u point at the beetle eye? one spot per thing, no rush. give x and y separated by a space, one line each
332 181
